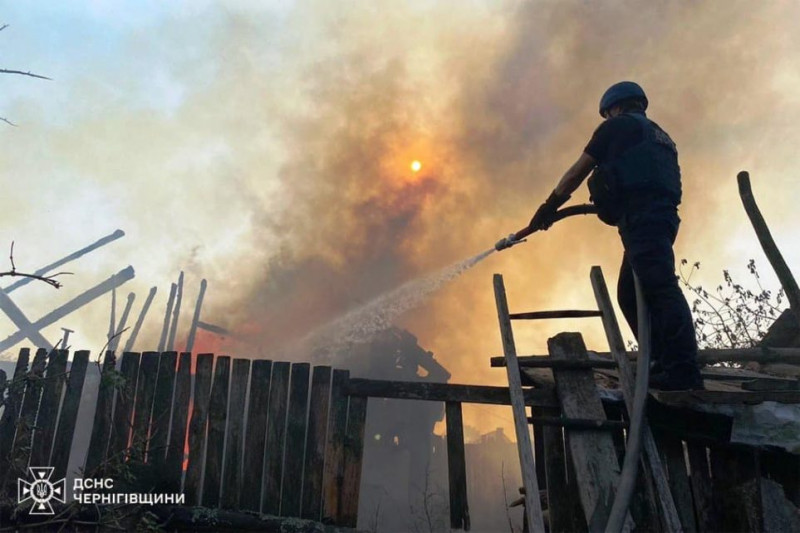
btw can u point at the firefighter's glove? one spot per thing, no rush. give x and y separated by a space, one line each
505 242
545 215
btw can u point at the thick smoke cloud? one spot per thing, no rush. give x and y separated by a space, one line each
268 151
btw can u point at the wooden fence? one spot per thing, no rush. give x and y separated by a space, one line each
280 438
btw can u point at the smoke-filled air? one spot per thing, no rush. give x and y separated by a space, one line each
309 158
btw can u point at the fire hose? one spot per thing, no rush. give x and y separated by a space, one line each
619 509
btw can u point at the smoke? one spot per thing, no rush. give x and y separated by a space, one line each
268 150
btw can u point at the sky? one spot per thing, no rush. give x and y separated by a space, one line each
266 147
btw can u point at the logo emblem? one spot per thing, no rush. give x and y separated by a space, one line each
41 490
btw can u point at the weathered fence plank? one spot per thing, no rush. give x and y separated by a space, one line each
232 480
672 448
334 452
256 435
559 495
173 466
593 454
123 411
30 405
101 429
48 408
295 441
8 422
353 455
701 487
276 433
62 443
197 427
143 406
217 410
456 467
315 443
162 408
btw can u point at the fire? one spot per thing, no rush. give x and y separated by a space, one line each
416 166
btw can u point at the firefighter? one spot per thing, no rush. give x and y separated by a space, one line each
635 184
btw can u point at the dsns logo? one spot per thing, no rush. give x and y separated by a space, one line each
41 490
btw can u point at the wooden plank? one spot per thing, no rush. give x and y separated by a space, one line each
21 450
533 506
445 392
256 435
65 431
789 284
672 448
353 451
101 429
730 467
704 357
123 411
538 315
217 411
13 404
593 454
276 434
173 466
315 443
617 346
162 409
577 423
291 488
197 428
54 379
143 405
232 474
456 467
334 450
538 444
689 398
560 498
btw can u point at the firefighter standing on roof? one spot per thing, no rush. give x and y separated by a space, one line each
636 186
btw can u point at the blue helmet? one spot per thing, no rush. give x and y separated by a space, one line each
619 92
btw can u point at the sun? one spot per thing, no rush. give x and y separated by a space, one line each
416 166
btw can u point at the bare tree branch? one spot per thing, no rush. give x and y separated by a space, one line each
47 279
23 73
3 119
4 26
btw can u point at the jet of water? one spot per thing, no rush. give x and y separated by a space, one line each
360 324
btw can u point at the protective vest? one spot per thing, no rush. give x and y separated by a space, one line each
648 171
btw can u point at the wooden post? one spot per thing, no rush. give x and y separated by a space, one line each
162 408
456 467
353 451
197 428
560 497
162 343
334 451
256 435
143 407
217 411
139 321
533 505
123 412
62 444
177 436
101 429
176 312
593 454
276 435
672 448
315 443
232 474
774 255
627 381
48 408
295 441
8 422
196 316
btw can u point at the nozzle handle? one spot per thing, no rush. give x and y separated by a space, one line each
582 209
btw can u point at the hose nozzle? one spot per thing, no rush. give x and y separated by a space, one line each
507 242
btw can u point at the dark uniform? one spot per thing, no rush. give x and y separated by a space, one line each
643 161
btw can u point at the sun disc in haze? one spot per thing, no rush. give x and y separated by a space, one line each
416 166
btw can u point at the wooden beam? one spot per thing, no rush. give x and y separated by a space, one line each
445 392
593 454
704 357
539 315
617 346
533 505
771 250
456 467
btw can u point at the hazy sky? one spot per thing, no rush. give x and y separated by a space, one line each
265 146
